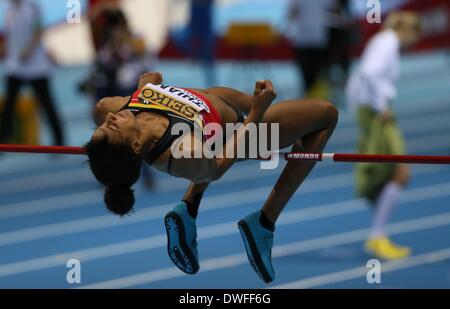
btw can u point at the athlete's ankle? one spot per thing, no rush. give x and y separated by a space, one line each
193 206
266 223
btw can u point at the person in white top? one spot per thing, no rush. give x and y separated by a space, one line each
373 83
371 90
26 62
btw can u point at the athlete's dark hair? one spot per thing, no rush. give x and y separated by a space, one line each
118 168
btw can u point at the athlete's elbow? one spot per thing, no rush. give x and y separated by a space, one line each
214 171
98 113
100 105
216 176
207 177
101 109
208 171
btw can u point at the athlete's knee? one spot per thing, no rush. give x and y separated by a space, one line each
330 113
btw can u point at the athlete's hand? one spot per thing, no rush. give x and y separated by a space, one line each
263 96
154 78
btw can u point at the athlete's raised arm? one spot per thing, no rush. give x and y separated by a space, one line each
108 105
114 104
205 169
155 78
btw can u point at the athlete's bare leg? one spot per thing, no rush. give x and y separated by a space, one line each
307 125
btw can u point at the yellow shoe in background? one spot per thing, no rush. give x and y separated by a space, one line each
382 247
320 90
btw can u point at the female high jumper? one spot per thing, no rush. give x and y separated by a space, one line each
137 129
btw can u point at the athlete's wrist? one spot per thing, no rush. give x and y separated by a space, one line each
255 115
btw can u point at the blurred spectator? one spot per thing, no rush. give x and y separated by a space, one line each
198 39
26 62
308 32
341 36
371 88
341 30
102 15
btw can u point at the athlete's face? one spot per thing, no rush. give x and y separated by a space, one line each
120 128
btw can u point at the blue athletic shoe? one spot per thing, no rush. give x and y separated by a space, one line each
182 239
258 243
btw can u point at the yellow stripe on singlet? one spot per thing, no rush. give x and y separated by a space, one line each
148 106
197 120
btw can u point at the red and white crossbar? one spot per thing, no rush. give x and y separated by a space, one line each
375 158
291 156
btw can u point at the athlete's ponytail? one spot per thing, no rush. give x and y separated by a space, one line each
119 199
118 168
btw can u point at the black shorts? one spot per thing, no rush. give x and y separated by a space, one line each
240 114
